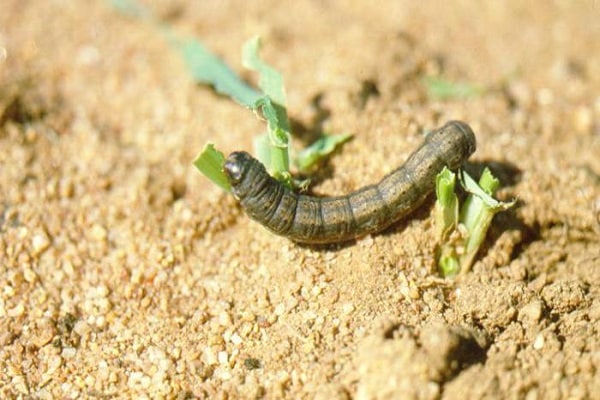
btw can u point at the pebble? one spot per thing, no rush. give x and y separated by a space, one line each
18 382
348 308
225 319
279 309
54 363
539 342
29 275
236 339
583 120
16 311
82 328
98 233
43 333
223 358
531 313
545 96
137 380
210 357
39 243
68 352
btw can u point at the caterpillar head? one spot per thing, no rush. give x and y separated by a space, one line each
242 170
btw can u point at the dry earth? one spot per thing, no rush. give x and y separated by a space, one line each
124 273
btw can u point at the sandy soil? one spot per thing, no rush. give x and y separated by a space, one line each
125 273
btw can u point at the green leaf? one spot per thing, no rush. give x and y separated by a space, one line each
449 264
262 148
462 235
205 67
208 69
272 107
441 89
270 80
274 152
210 163
478 211
321 148
131 8
485 189
446 205
278 136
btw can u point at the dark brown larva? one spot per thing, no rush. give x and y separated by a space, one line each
310 219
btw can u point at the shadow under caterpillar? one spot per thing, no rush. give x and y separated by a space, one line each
310 219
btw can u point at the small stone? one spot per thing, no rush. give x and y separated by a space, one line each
209 356
82 328
43 333
66 188
545 97
252 363
225 319
16 311
539 342
39 243
279 309
223 358
236 339
54 363
583 119
8 291
176 353
98 233
310 315
223 374
103 371
18 382
531 313
348 308
68 352
29 275
89 381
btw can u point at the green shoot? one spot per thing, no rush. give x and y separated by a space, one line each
269 103
446 221
318 150
446 206
274 153
210 162
442 89
208 69
478 211
131 8
270 81
461 235
275 150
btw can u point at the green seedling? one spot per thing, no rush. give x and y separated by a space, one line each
461 233
309 157
446 221
273 147
210 161
269 103
442 89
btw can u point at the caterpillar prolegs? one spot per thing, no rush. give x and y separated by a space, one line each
310 219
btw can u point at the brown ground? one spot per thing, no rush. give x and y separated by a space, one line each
124 272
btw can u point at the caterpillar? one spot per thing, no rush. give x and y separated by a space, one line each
316 220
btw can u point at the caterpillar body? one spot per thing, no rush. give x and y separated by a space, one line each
314 220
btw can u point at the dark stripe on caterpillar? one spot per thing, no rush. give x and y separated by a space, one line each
309 219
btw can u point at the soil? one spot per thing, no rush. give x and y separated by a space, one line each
125 273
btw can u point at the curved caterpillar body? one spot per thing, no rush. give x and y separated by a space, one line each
309 219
